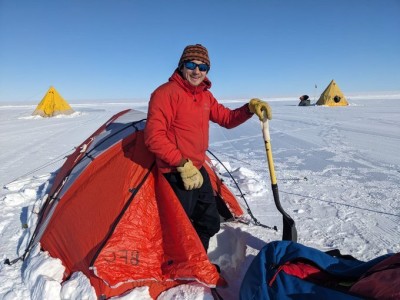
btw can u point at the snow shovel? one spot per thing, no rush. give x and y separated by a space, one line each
289 227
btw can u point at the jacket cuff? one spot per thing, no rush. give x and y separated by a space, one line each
248 110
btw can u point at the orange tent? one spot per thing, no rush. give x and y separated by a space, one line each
111 215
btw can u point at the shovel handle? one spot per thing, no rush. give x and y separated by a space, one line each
265 130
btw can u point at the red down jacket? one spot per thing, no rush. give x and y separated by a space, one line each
178 121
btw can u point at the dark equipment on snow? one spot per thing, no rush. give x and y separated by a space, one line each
304 100
287 270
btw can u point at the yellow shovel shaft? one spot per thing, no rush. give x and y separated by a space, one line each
270 162
267 141
289 228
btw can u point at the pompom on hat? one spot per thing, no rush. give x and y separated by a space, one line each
194 52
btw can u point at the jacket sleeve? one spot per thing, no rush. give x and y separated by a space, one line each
226 117
159 118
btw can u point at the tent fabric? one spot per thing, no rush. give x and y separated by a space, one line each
52 104
112 215
332 96
224 196
289 270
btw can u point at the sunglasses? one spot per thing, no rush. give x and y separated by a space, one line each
191 66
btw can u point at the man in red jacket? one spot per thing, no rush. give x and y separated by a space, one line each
177 132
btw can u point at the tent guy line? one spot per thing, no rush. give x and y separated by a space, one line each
343 204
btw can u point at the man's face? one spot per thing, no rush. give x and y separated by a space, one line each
195 77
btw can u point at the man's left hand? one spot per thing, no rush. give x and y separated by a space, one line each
260 108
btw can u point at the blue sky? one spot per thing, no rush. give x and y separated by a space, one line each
124 49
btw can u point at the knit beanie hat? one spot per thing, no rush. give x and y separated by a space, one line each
195 52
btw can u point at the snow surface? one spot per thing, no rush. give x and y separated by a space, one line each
337 170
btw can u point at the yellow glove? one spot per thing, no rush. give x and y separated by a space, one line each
191 176
260 108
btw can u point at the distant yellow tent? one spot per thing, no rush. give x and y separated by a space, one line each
332 96
52 104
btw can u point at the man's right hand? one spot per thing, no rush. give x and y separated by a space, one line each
191 176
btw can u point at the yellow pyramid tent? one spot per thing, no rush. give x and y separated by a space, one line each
52 104
332 96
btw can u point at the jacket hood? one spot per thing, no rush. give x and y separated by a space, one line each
177 77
